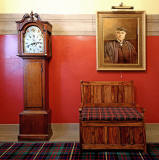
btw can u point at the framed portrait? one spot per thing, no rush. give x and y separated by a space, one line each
121 40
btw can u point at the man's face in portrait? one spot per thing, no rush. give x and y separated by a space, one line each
120 35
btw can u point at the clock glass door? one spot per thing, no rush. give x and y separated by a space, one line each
33 40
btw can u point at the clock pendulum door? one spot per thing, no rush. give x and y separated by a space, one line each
34 47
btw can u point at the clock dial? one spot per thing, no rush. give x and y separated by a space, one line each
33 40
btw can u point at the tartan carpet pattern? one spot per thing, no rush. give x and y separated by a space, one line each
69 151
110 113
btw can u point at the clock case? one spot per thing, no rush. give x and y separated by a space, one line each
35 119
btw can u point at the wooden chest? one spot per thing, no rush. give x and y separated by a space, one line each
109 117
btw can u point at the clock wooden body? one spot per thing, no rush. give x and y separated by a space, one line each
34 46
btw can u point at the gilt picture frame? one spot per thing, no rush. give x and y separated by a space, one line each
120 41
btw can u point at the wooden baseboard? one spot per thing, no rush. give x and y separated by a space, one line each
70 132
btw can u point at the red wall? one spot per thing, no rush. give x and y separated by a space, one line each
74 59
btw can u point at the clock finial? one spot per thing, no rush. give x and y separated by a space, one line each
30 16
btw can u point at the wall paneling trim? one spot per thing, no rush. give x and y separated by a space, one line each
81 24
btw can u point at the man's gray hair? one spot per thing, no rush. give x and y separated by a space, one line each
121 29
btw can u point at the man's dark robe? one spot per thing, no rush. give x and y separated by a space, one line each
114 52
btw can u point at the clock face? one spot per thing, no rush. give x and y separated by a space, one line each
33 40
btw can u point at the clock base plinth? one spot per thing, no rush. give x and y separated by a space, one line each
35 126
32 137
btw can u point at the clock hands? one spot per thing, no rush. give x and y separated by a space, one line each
34 44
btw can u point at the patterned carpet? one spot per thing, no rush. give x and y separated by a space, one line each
69 151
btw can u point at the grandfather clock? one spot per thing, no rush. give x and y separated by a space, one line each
34 47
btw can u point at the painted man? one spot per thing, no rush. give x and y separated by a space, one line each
120 50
